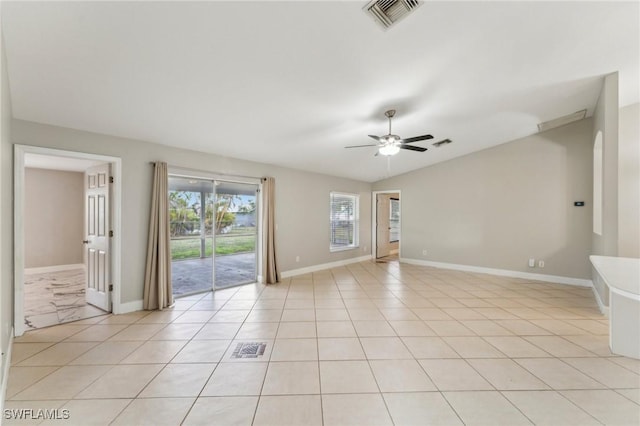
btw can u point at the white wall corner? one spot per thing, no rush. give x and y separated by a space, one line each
6 363
502 272
315 268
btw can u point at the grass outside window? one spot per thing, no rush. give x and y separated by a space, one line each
232 243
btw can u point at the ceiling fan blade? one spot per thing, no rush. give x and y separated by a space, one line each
413 148
361 146
417 139
378 138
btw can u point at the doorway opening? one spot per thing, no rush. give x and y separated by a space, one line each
386 233
66 257
214 233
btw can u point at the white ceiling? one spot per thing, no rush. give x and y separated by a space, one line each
292 83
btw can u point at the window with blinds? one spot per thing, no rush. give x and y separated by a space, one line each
343 219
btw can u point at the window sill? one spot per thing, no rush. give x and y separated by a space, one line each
335 249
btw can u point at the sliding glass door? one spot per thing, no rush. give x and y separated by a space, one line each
213 227
236 233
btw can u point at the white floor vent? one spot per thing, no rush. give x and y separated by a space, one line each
388 12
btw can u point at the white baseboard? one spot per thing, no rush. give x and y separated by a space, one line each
125 308
54 268
502 272
315 268
604 309
260 279
6 363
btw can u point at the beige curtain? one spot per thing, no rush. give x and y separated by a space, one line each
269 267
158 293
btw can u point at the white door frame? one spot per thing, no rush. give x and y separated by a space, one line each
18 224
374 220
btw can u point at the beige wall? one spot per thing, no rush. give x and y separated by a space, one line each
498 207
53 219
302 211
6 242
629 181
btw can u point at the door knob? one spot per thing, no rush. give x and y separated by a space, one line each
85 241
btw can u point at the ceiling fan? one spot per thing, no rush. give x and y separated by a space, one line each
392 144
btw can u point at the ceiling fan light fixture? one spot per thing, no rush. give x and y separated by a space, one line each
389 150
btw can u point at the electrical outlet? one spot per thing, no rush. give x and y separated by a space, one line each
424 252
297 258
532 263
541 264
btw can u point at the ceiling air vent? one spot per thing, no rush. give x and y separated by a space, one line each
561 121
388 12
442 142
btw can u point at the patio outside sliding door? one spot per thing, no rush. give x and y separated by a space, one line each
191 229
236 231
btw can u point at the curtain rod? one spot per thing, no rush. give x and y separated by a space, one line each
221 175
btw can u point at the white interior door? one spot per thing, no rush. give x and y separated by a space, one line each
97 233
382 226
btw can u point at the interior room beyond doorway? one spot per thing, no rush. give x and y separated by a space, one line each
387 225
55 272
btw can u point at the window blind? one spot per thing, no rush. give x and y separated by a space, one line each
344 221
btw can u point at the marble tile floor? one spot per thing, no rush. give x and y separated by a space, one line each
52 298
365 344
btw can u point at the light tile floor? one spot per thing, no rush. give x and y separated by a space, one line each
366 344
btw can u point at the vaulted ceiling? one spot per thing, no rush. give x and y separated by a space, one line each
292 83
